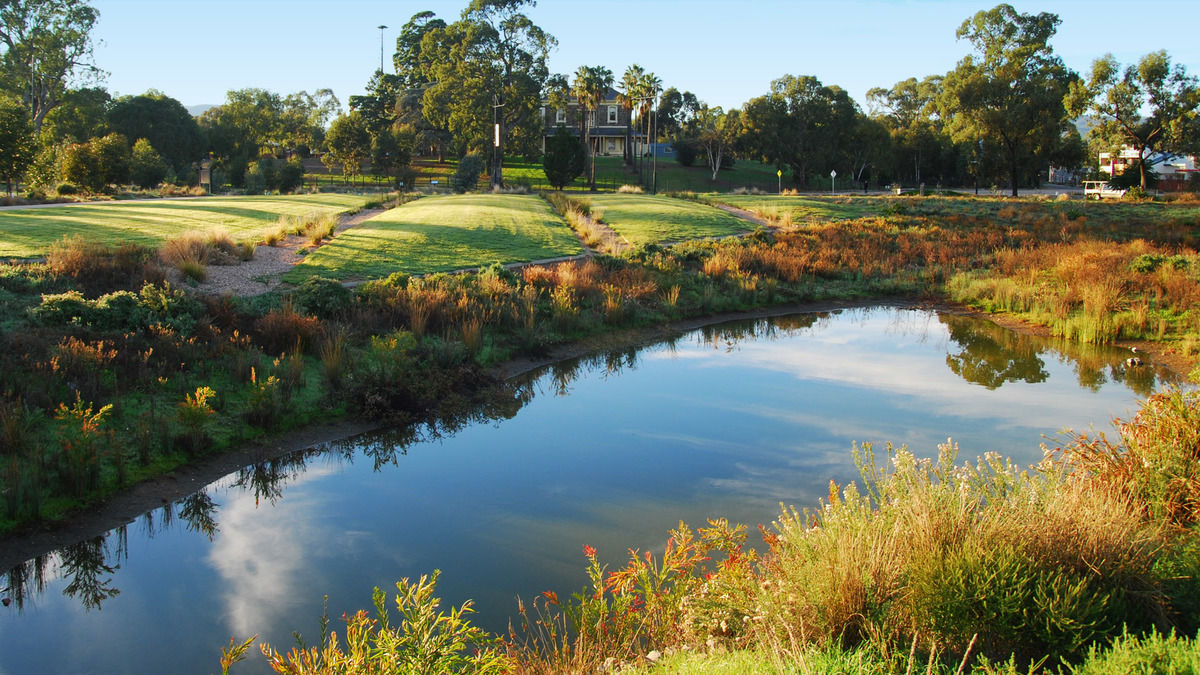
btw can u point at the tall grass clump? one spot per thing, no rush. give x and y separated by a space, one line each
1091 291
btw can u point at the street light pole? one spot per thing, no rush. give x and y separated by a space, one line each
496 178
381 29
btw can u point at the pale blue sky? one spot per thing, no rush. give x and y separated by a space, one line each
725 52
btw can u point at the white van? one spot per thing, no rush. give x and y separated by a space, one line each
1098 189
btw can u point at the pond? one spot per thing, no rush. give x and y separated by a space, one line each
610 451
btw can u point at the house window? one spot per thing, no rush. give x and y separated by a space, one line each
612 147
560 116
612 114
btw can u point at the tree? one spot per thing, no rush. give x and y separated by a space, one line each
347 144
81 167
564 158
492 62
628 98
47 42
408 61
801 124
466 177
909 112
161 120
112 152
717 132
675 112
146 167
17 145
1151 107
590 85
82 114
1011 91
391 152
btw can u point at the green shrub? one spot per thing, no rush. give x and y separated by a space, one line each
66 189
171 307
466 177
119 311
1153 653
60 309
323 298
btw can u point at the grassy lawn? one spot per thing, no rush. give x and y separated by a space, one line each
440 234
26 233
802 208
643 219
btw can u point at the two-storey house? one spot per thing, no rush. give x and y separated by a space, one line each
610 126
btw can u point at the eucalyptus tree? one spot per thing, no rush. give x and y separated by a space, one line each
488 66
47 44
1011 91
718 131
1150 106
590 85
909 112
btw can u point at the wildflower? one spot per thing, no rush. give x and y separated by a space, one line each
589 551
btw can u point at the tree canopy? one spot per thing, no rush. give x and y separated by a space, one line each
491 61
1011 90
47 44
1150 106
161 120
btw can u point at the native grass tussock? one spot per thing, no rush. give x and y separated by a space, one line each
584 220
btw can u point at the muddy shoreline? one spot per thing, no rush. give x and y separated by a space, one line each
126 507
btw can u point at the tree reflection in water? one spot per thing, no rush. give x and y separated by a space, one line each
991 355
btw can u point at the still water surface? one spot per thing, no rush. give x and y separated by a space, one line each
610 451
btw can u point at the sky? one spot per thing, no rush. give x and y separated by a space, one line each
725 52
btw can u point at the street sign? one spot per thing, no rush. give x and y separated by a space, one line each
833 173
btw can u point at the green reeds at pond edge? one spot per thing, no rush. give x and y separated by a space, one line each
932 564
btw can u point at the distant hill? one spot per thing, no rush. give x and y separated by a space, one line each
198 110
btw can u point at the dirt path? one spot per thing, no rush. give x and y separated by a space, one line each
265 271
745 215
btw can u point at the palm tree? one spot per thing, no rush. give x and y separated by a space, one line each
590 85
630 91
648 88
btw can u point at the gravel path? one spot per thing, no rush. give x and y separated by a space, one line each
264 273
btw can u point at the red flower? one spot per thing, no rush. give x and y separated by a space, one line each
589 551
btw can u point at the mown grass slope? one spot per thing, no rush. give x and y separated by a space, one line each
645 219
27 233
441 234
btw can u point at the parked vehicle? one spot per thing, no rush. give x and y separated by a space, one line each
1098 189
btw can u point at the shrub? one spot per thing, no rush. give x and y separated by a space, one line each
324 298
60 309
119 311
685 151
146 167
99 267
466 177
284 329
66 189
565 157
171 308
426 639
291 175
